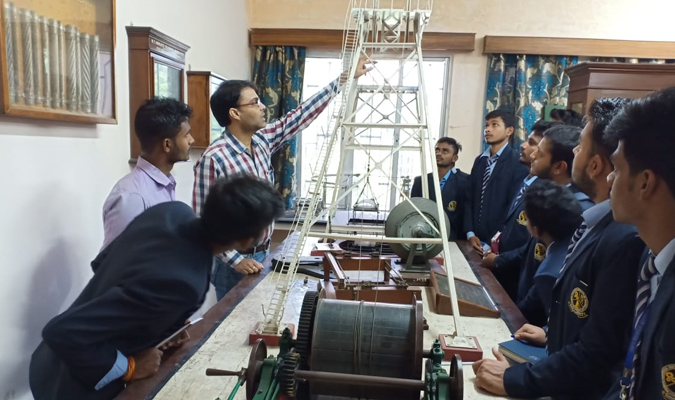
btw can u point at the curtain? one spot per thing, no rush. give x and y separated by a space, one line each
524 84
278 72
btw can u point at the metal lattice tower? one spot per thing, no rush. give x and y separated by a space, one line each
371 32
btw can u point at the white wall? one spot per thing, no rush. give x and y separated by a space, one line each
602 19
54 178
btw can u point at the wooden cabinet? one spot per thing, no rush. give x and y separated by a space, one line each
589 81
205 128
156 68
57 60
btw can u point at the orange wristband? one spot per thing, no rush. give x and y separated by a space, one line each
130 370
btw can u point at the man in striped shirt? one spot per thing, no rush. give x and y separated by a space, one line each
246 147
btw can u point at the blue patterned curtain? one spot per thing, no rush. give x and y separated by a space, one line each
524 84
278 72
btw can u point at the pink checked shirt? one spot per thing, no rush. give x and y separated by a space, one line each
227 155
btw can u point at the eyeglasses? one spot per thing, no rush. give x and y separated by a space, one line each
254 102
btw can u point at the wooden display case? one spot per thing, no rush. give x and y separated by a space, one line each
589 81
58 60
201 86
156 68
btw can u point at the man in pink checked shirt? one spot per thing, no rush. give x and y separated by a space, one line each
246 146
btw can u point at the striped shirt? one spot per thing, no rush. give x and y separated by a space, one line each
227 155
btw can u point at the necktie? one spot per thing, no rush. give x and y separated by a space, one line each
442 183
573 243
486 178
518 197
644 293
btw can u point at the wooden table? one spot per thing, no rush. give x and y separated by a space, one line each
200 333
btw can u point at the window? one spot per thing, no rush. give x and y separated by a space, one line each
402 165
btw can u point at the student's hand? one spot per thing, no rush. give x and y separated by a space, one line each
475 243
490 373
489 259
147 363
532 334
248 266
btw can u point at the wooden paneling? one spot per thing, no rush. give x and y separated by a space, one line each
330 40
578 47
588 81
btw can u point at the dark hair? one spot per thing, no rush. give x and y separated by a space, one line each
562 140
451 142
159 118
226 97
568 117
646 128
508 118
600 113
239 208
552 208
541 126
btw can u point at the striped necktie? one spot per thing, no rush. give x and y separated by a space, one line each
644 293
486 178
518 197
573 243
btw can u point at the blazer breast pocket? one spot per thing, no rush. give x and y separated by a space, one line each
579 298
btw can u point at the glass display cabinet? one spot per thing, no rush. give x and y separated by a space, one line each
156 68
201 86
57 60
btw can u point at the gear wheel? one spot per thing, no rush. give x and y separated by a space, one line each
303 342
286 377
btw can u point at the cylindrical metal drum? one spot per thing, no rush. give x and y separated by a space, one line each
364 338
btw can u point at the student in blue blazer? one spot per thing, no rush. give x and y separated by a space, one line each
552 160
643 193
454 185
592 300
495 178
146 283
553 214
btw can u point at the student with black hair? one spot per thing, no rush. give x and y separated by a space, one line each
643 193
592 300
495 178
147 282
567 117
553 214
454 185
552 160
162 127
554 157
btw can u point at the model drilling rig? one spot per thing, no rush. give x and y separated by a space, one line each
374 33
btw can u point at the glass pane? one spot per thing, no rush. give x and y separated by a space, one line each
60 58
374 108
216 129
167 81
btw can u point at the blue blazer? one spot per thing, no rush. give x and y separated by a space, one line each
455 195
656 372
147 282
502 186
536 304
591 318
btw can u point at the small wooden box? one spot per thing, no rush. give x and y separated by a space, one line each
201 86
472 299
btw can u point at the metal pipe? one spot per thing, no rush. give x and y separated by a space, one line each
359 379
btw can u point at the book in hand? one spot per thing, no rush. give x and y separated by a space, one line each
521 352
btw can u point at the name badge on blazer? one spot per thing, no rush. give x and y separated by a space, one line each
539 252
522 218
452 206
578 303
668 381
